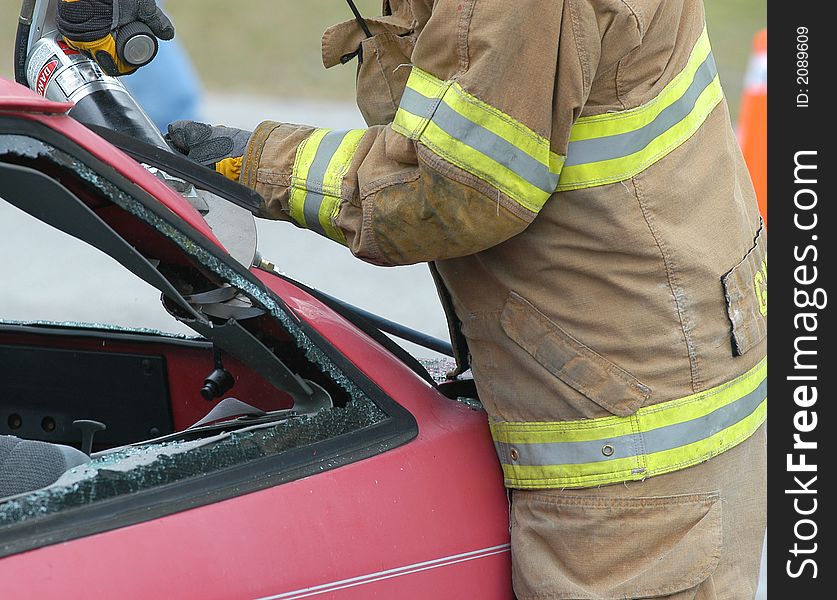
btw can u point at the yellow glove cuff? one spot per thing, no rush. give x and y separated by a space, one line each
230 167
107 45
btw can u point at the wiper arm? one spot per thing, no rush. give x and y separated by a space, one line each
233 414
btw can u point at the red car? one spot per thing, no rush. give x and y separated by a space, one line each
343 472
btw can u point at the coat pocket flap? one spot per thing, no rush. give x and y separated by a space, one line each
587 372
344 38
745 290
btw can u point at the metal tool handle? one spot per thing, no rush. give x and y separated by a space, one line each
136 44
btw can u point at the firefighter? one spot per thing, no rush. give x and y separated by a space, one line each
569 170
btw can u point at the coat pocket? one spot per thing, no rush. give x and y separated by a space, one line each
745 290
383 60
382 76
584 547
584 370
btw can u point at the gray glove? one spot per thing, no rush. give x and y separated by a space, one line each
215 147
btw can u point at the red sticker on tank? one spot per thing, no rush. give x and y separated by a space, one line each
45 75
68 50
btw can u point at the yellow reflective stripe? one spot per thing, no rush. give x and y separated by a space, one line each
408 124
544 432
520 136
603 149
426 84
412 124
650 417
632 468
657 439
619 169
338 166
321 163
698 452
628 120
476 111
701 404
305 154
478 164
613 147
479 139
536 477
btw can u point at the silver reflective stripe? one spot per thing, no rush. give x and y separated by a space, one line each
481 139
649 442
624 144
313 200
417 104
688 432
575 453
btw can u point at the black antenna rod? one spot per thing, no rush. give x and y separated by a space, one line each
359 19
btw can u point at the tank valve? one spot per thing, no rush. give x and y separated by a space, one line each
135 44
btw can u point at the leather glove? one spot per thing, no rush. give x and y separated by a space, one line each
219 148
93 27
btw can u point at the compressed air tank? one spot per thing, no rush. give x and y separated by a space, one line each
60 73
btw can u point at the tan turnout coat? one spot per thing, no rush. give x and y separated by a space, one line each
604 300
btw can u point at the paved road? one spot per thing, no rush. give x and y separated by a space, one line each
45 274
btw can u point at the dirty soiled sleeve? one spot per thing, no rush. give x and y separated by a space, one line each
474 152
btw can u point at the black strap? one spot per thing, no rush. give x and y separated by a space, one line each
459 343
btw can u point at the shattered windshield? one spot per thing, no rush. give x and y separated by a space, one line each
137 468
285 444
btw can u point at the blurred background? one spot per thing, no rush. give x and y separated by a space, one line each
271 48
239 63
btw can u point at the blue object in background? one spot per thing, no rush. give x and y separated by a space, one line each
168 87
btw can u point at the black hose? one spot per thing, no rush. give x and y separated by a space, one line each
396 329
21 52
24 26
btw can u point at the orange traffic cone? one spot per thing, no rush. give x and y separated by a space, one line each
752 120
